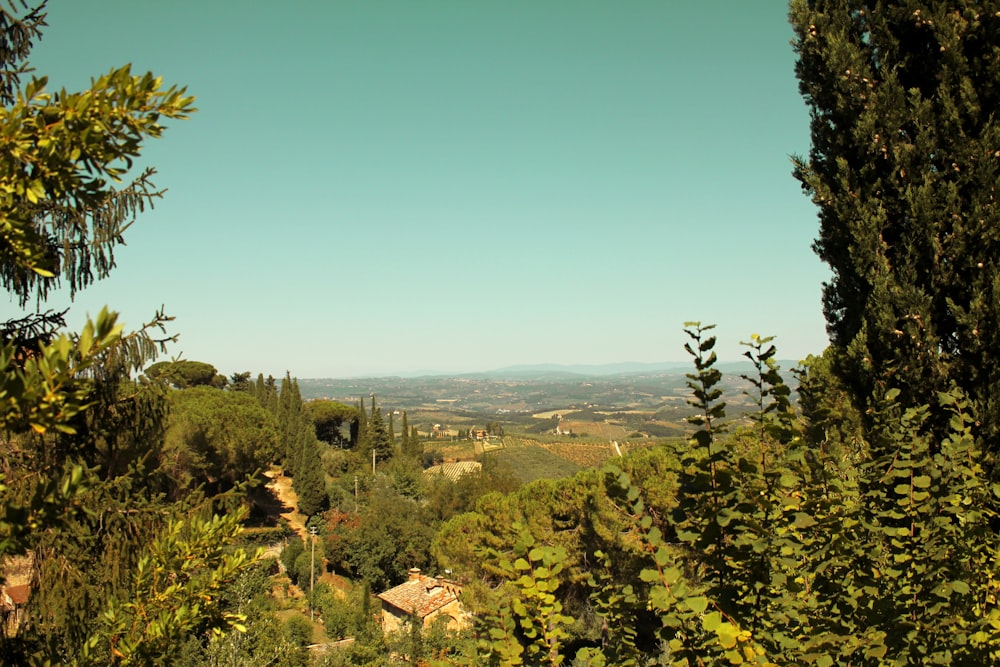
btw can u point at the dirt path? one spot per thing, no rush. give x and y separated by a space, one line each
288 502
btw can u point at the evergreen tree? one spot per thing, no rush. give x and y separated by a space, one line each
378 434
416 446
903 167
122 575
404 441
359 433
290 420
240 381
310 482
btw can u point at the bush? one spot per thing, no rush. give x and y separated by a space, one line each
290 554
432 458
299 630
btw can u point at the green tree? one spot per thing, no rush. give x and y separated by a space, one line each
291 417
903 168
404 437
183 374
217 437
310 482
359 430
329 419
392 534
266 393
122 574
378 435
240 381
832 419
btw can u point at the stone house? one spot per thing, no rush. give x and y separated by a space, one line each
12 602
425 598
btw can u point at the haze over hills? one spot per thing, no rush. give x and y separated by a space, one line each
577 371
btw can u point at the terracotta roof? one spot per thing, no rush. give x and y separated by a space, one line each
421 595
18 594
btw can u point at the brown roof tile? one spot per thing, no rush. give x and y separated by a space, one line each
18 594
422 595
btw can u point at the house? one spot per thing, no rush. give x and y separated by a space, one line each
425 598
12 602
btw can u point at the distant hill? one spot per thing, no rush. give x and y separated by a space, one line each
589 370
555 372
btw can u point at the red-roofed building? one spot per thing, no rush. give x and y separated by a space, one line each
12 601
426 598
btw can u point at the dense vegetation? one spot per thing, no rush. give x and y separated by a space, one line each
855 527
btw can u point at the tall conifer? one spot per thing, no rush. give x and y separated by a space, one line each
904 167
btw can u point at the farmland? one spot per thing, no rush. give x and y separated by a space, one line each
561 411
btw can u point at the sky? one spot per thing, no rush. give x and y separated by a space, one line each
373 187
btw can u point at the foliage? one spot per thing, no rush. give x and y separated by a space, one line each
183 374
392 534
310 482
768 553
215 436
832 420
177 587
299 630
528 627
120 572
329 419
903 170
377 436
58 214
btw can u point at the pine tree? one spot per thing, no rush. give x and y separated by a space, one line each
904 168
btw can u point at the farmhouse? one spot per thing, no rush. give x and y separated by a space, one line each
12 601
425 598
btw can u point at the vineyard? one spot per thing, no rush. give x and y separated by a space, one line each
603 430
579 454
530 462
583 455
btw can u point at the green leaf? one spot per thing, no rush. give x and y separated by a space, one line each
727 634
697 604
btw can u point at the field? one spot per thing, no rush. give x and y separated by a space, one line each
529 461
582 454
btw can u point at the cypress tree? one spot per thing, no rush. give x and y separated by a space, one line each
379 435
904 169
310 482
416 447
290 419
404 442
362 438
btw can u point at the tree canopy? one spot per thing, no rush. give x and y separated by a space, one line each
903 169
184 373
122 573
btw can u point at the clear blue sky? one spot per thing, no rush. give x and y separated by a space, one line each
377 186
